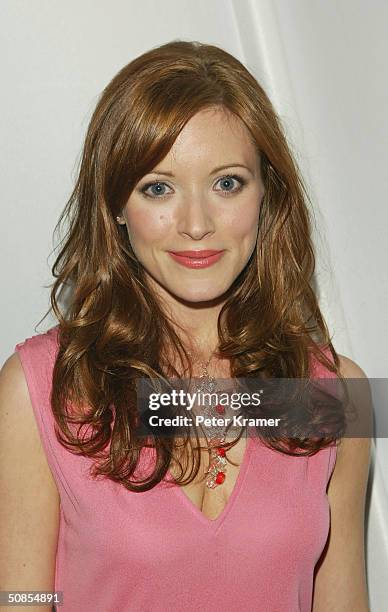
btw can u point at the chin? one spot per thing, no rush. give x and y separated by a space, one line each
191 290
200 295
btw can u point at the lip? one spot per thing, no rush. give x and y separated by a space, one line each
196 259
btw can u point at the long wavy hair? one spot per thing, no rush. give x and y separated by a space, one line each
113 329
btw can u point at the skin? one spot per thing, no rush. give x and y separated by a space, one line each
198 209
194 214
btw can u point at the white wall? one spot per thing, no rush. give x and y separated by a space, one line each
322 63
56 57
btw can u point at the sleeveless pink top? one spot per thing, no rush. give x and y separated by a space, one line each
155 551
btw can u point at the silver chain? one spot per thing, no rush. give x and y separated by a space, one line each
216 434
208 385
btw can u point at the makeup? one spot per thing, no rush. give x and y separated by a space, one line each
196 259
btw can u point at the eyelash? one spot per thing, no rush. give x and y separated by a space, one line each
235 177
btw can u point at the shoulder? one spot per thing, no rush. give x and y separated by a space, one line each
19 431
354 453
351 447
17 421
37 356
16 413
349 368
12 380
43 342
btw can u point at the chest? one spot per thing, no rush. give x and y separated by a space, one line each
272 504
212 502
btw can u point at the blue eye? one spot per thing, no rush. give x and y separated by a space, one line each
157 187
158 193
227 182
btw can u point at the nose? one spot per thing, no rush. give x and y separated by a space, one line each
195 218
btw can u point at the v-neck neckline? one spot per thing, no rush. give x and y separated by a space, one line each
217 522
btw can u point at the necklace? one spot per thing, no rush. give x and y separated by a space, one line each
216 434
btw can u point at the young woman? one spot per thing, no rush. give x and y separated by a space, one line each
188 253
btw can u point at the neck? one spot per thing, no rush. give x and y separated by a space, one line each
197 326
196 323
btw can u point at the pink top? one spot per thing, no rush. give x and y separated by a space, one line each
121 551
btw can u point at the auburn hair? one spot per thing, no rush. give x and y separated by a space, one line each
112 329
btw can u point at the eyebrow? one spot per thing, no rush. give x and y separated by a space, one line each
214 171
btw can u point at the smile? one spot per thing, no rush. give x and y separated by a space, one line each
196 259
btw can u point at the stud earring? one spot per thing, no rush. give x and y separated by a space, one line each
120 220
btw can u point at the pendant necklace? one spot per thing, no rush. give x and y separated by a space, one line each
216 434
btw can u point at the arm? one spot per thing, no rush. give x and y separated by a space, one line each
29 510
340 582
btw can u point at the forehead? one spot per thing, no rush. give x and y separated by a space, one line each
213 135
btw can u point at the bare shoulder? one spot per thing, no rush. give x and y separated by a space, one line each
27 489
351 446
12 376
350 369
16 414
17 420
13 389
19 434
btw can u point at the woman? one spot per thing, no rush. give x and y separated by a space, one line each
188 251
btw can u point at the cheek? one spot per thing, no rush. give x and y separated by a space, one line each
147 226
244 226
242 221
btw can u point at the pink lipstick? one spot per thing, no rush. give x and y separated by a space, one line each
196 259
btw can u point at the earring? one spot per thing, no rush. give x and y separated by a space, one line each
120 220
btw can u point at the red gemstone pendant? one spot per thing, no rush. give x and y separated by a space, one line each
217 468
220 477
